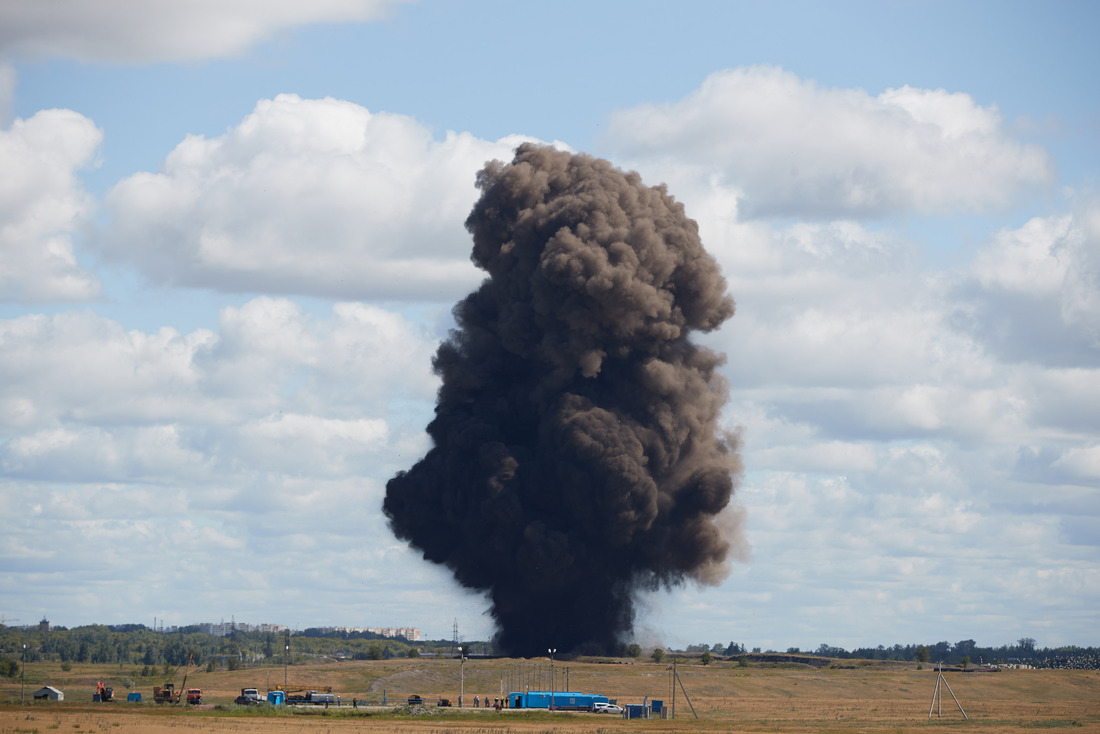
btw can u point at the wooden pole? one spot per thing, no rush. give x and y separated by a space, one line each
686 696
672 683
937 695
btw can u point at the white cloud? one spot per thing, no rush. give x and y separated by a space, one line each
268 356
149 31
1083 462
785 146
269 437
43 205
308 196
1035 291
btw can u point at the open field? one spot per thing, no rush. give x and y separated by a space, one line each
726 697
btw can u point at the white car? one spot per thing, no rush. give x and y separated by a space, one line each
606 708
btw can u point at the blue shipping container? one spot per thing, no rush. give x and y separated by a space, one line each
568 700
276 697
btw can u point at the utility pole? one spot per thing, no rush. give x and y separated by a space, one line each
286 661
461 680
552 651
23 675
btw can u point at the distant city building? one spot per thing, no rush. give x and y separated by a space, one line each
412 634
224 629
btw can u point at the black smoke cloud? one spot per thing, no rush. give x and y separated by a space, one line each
577 457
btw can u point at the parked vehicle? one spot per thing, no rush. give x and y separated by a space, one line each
309 696
249 697
194 696
607 708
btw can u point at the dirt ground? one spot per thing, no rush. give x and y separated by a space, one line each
725 697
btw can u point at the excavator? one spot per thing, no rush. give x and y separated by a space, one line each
103 693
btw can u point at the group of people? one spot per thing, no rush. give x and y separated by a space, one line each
498 703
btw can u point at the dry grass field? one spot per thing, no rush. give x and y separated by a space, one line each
870 698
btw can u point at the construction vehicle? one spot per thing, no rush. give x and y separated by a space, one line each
166 694
103 693
194 696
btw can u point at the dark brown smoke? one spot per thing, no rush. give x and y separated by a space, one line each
577 457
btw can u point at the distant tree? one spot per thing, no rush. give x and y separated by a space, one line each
658 655
233 662
965 647
634 650
966 661
793 651
705 658
922 654
414 652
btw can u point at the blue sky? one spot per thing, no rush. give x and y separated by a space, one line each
231 239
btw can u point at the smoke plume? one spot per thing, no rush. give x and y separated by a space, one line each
577 457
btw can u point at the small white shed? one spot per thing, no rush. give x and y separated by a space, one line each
49 692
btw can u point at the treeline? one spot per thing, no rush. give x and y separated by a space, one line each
137 645
962 653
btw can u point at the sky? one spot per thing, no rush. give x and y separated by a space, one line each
231 235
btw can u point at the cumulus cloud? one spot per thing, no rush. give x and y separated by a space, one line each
1033 293
220 445
307 196
332 377
785 146
43 206
144 31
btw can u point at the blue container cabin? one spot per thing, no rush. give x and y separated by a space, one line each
563 700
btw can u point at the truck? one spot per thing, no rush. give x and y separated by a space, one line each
249 697
194 696
310 697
